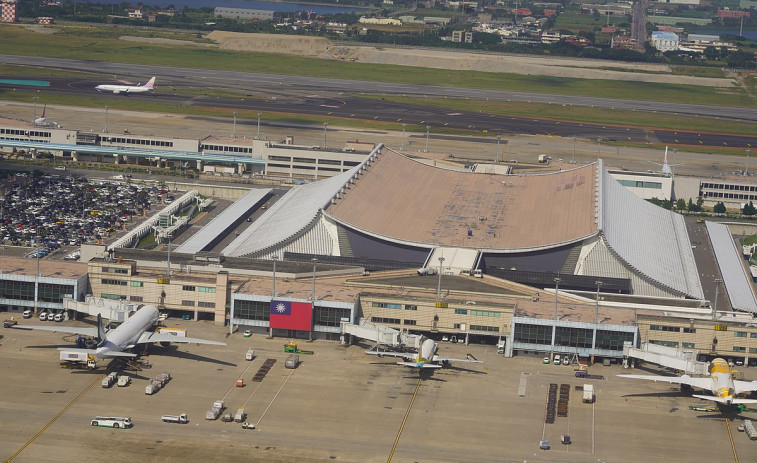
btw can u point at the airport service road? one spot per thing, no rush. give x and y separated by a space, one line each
342 405
245 80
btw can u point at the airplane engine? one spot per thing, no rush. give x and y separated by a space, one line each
165 344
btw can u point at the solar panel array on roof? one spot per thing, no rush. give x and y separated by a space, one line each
737 284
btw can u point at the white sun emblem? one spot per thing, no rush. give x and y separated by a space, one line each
281 308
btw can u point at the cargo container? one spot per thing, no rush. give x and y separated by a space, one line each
124 380
219 404
227 417
213 414
240 415
250 354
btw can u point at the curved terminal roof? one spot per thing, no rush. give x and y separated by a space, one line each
737 282
650 239
288 216
404 200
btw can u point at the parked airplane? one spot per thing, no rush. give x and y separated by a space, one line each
667 169
115 342
41 120
720 382
425 358
127 88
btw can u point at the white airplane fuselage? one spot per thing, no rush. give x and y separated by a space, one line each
127 334
427 352
127 88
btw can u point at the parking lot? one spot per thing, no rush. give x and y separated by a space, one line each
56 211
341 405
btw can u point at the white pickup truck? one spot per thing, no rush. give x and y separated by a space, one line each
181 419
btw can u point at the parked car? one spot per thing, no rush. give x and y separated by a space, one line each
247 333
557 359
545 360
28 313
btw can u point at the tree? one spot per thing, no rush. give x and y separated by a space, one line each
711 53
681 204
749 209
694 207
719 208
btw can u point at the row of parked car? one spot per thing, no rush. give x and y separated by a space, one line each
54 210
44 315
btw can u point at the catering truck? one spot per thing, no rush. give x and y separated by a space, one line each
77 360
588 393
181 419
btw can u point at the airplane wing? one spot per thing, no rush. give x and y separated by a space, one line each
404 355
702 383
723 401
415 365
439 358
744 386
83 330
148 337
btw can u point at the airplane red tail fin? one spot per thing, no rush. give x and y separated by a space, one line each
150 83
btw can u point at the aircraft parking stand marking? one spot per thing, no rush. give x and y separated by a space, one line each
274 398
404 420
98 379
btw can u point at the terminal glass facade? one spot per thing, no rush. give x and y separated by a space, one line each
613 340
24 291
533 334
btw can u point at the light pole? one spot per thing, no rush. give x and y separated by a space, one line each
106 118
499 137
273 291
717 293
428 128
599 147
258 135
402 145
315 261
325 125
746 166
34 116
596 309
557 288
439 287
234 129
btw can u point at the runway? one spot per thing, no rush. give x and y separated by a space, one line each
340 99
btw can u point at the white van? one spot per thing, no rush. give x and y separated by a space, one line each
42 316
58 317
112 422
28 313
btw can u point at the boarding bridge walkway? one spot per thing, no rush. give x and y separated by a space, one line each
684 361
382 335
111 310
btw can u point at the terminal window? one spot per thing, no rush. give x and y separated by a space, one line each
739 334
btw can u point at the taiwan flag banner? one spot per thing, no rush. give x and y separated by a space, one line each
291 315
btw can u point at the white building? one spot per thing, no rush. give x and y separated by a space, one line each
664 41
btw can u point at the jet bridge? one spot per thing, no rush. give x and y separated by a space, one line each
382 335
114 311
684 361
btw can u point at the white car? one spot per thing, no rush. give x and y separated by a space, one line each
58 317
28 313
557 359
445 338
42 316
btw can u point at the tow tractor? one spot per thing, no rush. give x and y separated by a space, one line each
293 347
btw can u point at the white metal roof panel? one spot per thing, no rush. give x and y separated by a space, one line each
737 283
218 225
650 239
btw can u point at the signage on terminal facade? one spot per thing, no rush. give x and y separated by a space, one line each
441 305
164 281
721 327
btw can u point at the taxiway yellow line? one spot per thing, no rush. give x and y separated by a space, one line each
730 436
404 420
71 404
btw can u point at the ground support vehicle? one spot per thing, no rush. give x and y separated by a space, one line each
181 419
112 422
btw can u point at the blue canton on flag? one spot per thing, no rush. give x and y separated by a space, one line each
281 308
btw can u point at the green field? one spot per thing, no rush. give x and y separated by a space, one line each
101 43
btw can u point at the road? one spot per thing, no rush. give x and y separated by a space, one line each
339 98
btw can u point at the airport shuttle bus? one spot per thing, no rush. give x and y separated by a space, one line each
112 422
